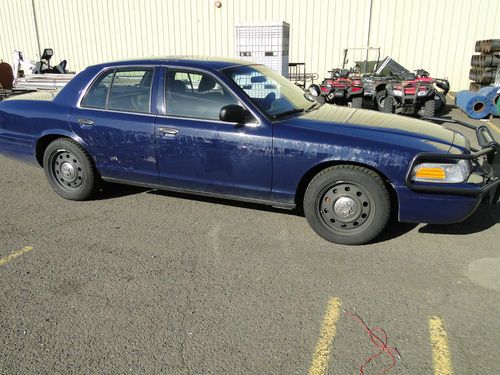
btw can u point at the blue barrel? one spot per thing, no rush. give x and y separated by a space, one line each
474 105
493 95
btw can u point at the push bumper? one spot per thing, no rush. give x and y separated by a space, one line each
448 203
485 178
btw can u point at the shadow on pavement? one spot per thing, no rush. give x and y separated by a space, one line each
447 109
225 202
110 191
393 230
484 218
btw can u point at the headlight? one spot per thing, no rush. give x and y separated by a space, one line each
397 92
449 173
423 93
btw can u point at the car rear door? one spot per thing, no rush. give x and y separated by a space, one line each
116 121
197 151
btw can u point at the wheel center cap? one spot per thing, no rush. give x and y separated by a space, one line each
344 207
68 170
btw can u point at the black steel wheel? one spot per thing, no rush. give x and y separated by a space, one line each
347 204
69 170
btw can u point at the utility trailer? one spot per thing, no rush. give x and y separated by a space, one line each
27 76
34 82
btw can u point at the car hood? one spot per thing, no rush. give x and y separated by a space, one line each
329 115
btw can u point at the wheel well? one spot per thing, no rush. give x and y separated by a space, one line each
306 179
380 87
42 144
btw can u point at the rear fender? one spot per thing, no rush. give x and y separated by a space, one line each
49 135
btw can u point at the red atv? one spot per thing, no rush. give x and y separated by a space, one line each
343 87
410 93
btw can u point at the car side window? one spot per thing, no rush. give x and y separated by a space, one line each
197 95
97 94
126 90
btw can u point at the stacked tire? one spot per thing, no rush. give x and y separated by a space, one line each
485 67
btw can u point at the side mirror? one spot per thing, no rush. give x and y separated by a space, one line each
314 90
234 113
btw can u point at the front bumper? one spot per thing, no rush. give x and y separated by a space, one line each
484 181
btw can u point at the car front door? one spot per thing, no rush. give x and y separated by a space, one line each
115 121
197 151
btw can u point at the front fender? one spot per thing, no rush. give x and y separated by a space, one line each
294 159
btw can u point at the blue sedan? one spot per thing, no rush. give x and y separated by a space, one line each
236 130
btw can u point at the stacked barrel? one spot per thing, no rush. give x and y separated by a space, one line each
483 97
484 67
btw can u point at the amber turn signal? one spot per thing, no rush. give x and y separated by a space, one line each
431 173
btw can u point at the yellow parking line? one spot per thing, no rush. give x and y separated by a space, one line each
440 350
15 254
321 355
494 126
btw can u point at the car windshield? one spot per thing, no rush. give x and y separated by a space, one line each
271 92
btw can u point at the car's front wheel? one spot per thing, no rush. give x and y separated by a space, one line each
347 204
70 170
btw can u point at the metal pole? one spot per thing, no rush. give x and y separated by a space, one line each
36 29
369 32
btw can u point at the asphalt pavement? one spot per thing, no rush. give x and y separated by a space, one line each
141 281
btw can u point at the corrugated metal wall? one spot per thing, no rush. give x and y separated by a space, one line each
437 35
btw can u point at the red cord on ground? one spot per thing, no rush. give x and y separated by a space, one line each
380 344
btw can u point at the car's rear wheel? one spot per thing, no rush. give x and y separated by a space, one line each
70 170
347 204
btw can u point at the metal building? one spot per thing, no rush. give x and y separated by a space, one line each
438 35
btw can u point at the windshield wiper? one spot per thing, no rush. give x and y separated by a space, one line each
290 112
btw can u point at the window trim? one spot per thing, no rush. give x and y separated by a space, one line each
163 86
116 68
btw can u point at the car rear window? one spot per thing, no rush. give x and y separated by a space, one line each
126 90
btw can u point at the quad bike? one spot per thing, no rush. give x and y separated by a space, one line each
412 93
343 87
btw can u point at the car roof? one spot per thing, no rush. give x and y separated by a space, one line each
216 63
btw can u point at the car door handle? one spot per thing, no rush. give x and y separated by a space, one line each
85 122
168 131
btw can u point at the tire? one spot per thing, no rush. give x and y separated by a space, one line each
379 99
357 102
440 102
70 170
347 204
430 108
388 105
